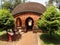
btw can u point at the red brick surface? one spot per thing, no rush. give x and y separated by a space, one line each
23 18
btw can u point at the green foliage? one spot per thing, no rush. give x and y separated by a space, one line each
50 40
50 20
8 4
6 19
11 4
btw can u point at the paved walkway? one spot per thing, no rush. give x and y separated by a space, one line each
28 38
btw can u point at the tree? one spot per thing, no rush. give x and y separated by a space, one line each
11 4
50 2
8 4
17 2
50 20
6 19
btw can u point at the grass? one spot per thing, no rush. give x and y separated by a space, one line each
50 40
2 32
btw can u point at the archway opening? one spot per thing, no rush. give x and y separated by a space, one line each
18 22
29 23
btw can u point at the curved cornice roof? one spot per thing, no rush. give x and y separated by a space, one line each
29 7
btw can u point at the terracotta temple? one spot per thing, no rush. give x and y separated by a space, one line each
26 14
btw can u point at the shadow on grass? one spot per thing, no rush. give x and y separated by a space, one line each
4 37
55 39
16 37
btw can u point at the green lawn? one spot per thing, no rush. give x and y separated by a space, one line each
2 32
50 40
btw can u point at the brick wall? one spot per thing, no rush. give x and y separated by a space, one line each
23 18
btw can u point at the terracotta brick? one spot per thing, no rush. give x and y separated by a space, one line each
23 18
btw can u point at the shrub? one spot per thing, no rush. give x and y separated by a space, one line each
6 19
50 20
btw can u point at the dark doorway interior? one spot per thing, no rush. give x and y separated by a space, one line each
29 23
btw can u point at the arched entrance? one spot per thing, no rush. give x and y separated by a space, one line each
18 22
29 23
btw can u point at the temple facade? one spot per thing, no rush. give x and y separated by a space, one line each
26 14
